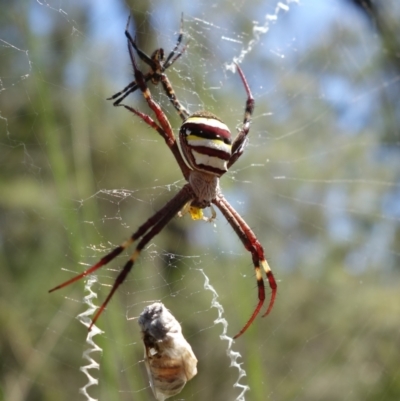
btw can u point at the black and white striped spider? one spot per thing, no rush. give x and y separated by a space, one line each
208 151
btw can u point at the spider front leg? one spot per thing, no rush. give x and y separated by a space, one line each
130 88
157 70
153 61
164 127
252 244
183 113
241 138
156 63
170 141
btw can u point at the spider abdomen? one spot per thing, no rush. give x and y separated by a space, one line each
206 143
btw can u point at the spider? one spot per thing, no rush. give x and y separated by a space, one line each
207 153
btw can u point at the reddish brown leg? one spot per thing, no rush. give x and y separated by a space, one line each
164 127
171 142
155 62
240 140
183 113
252 244
155 225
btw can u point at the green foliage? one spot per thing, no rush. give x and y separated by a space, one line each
78 176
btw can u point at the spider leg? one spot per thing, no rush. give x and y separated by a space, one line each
173 207
130 88
241 138
155 62
183 113
170 141
171 59
252 244
158 69
164 127
158 56
155 224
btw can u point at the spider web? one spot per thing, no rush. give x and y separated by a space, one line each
318 183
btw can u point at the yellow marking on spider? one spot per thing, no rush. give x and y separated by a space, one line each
258 273
218 144
135 255
265 266
146 93
193 137
196 213
127 243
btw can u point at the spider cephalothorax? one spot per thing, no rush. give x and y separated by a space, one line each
208 152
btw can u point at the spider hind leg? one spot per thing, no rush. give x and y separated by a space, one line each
251 244
146 232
